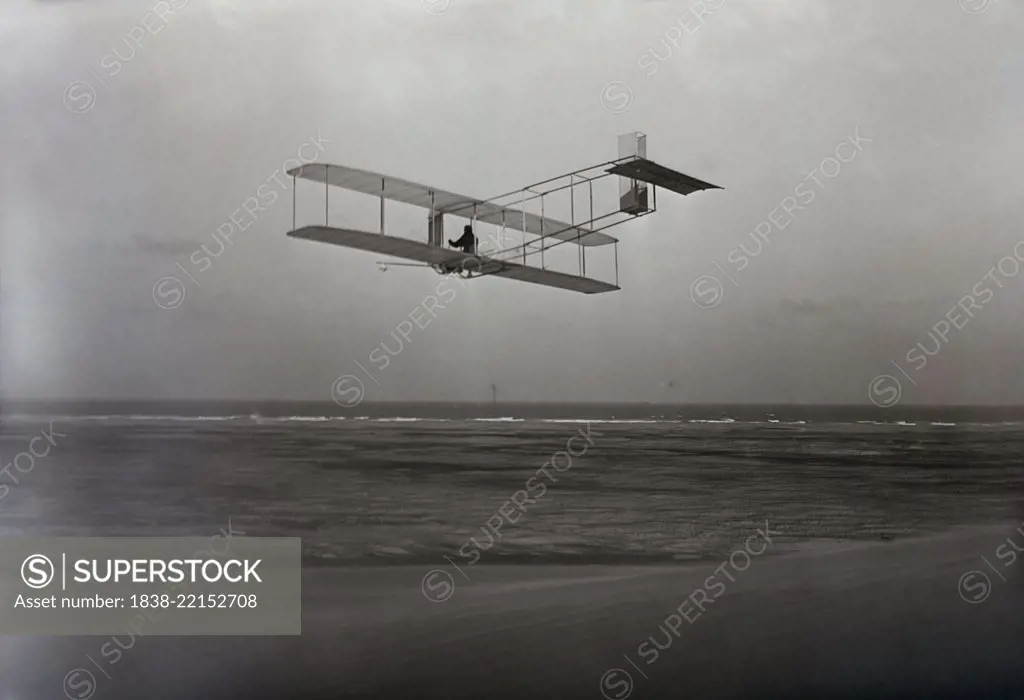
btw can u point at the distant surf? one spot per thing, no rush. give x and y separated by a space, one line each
724 416
262 420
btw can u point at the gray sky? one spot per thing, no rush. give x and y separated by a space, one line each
481 97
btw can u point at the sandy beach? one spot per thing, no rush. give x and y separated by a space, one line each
882 620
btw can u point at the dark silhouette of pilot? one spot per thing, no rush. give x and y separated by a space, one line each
468 241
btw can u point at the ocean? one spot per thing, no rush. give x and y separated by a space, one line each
415 483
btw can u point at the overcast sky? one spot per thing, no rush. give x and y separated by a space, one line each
118 167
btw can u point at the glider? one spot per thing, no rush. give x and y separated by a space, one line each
509 211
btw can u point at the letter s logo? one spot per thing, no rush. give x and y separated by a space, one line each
438 591
171 292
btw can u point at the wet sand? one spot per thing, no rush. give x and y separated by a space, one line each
837 620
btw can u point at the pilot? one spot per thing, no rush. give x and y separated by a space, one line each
468 241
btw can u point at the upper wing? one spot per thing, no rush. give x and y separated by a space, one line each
424 196
434 255
380 185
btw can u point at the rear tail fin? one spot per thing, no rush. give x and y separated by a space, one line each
632 193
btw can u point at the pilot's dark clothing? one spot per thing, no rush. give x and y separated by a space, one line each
467 243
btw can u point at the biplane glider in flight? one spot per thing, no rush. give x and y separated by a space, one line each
510 212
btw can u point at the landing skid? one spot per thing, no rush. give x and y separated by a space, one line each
439 269
384 266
